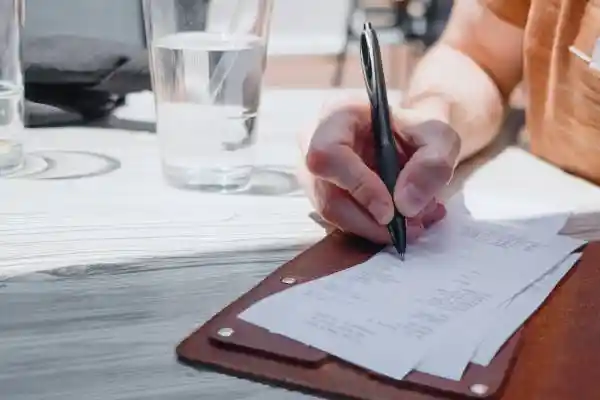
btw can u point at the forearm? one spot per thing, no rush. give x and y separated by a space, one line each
450 86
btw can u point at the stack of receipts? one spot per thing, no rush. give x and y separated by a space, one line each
461 293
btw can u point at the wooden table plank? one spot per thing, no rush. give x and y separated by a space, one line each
109 332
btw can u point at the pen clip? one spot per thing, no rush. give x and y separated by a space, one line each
367 57
385 145
370 55
372 66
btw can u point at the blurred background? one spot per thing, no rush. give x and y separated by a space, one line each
319 35
313 43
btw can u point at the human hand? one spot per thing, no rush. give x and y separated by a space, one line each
340 179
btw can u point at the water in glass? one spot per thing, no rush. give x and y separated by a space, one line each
207 88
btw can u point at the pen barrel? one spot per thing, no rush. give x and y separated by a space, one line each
389 167
388 161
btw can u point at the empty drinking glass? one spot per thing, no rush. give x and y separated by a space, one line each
12 130
207 62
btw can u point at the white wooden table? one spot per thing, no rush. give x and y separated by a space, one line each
109 332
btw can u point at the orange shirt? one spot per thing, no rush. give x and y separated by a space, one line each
563 105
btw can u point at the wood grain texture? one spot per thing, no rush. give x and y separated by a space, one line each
109 332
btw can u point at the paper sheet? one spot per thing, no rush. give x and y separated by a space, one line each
516 184
384 315
514 314
484 334
540 225
451 356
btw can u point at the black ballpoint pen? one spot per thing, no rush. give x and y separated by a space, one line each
385 146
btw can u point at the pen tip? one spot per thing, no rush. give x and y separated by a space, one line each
402 256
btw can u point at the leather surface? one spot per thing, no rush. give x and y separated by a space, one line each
560 357
254 353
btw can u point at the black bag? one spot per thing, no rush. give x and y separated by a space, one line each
74 79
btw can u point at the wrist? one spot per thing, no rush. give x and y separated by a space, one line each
437 107
432 105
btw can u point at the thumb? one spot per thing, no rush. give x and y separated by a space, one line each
429 169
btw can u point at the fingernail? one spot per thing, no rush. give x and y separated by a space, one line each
410 200
382 212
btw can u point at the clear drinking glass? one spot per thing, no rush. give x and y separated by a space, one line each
11 87
207 62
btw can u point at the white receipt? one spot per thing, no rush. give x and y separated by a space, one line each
384 315
514 314
486 209
451 356
483 335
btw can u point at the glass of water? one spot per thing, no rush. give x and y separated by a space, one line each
11 87
207 62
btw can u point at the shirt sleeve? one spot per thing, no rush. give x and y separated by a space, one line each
514 12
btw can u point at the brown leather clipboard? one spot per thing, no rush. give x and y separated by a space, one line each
229 345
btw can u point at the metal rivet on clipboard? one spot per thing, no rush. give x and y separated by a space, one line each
288 280
479 389
225 332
